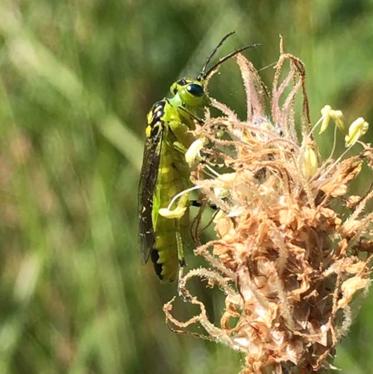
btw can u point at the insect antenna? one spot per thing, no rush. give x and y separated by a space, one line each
204 74
224 38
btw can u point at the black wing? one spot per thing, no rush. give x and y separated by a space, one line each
148 180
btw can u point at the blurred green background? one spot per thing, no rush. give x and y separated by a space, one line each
77 79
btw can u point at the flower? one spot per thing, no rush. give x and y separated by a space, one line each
288 256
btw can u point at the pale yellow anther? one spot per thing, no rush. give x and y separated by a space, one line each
337 116
325 112
176 213
193 154
309 162
356 130
330 114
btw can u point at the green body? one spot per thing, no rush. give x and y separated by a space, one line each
173 177
165 173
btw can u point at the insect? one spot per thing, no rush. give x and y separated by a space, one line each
165 173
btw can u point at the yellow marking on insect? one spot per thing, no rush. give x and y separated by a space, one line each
166 171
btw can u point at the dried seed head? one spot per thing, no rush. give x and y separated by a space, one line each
288 263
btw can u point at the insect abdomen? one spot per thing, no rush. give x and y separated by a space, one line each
169 233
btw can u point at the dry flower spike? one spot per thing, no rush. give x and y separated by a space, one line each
288 263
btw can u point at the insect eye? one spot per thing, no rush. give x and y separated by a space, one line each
195 89
182 82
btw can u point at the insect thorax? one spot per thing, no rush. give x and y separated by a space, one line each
155 119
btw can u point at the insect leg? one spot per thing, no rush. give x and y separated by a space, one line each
194 228
199 203
179 244
195 117
179 147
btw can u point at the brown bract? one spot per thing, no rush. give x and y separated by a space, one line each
292 248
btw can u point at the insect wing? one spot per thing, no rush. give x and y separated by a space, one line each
147 184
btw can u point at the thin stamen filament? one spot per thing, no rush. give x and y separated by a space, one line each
177 196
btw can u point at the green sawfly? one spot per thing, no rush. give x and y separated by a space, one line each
165 172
